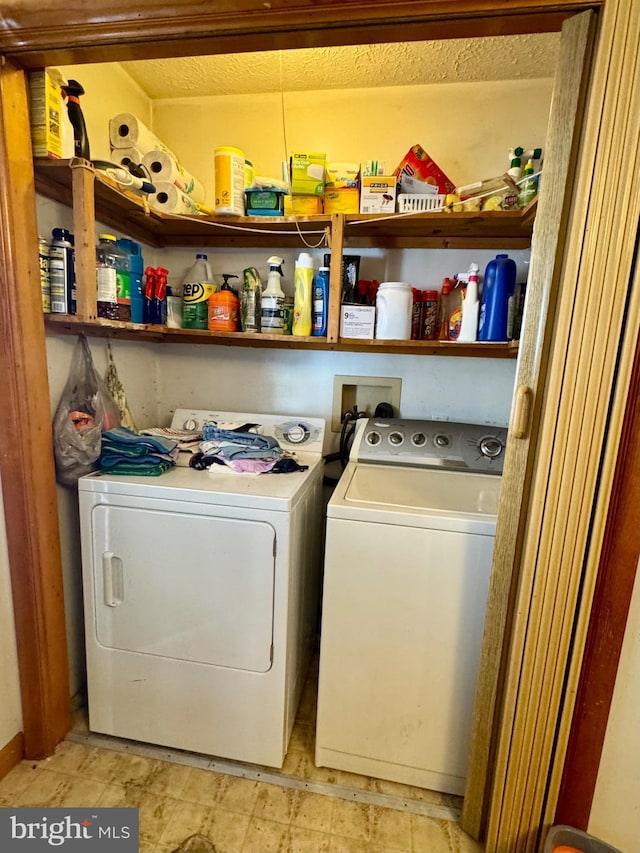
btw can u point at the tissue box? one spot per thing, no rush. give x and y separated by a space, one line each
307 174
343 200
45 111
378 194
357 321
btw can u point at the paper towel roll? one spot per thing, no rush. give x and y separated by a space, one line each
169 199
164 167
127 131
124 156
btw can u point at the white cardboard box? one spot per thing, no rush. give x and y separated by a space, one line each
378 194
357 321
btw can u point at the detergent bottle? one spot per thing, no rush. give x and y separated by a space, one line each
272 313
224 308
197 287
498 286
303 294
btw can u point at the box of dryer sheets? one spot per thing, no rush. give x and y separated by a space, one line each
378 194
45 113
307 174
341 200
357 321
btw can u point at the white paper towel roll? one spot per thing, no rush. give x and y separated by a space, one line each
163 167
169 199
127 131
124 156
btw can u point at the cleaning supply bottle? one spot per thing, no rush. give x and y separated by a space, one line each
320 301
159 311
445 309
498 285
273 299
149 290
303 290
528 186
250 306
106 282
470 307
197 287
136 268
455 310
118 259
224 308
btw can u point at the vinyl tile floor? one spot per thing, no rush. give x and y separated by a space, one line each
245 809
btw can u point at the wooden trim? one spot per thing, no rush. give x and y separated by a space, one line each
57 34
609 612
26 461
11 754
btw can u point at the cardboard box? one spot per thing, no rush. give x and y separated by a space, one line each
344 200
357 321
302 205
378 194
45 112
307 174
417 164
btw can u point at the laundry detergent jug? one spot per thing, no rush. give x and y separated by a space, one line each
394 301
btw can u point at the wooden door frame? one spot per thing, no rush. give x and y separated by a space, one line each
29 495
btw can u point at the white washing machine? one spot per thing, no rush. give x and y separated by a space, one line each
201 593
410 534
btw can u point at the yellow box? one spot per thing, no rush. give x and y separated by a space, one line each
343 200
378 194
302 205
45 112
307 174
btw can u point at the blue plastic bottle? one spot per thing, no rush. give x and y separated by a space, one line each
320 302
498 285
136 262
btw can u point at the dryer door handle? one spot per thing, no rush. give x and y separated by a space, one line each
113 579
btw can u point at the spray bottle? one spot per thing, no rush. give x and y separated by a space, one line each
470 307
272 316
303 293
250 308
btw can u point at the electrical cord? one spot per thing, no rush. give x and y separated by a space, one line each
347 433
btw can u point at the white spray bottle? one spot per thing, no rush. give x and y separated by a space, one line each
272 312
470 305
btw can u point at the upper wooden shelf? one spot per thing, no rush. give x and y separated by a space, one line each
129 213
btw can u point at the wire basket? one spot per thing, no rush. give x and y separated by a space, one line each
416 203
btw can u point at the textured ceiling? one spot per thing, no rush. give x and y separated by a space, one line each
362 66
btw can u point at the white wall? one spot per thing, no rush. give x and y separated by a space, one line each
615 813
10 704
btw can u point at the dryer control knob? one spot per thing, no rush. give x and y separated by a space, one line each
191 424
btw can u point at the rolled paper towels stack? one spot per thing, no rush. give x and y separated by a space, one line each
127 131
124 156
169 199
162 167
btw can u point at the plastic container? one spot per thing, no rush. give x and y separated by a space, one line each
118 259
224 308
230 180
470 309
566 836
62 279
45 287
416 314
528 186
106 282
498 286
197 288
320 302
136 269
250 300
302 295
272 314
393 311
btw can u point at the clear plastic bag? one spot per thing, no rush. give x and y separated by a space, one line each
85 409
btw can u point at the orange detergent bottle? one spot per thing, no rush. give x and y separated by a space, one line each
224 308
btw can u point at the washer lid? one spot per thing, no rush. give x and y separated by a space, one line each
424 497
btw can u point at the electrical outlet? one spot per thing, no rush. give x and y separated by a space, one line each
364 392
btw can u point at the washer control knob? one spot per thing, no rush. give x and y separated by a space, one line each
191 424
441 440
418 439
490 446
373 438
396 438
297 433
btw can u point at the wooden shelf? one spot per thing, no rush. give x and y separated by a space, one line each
66 324
97 198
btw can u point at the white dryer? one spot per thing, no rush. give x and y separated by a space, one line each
410 534
201 594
